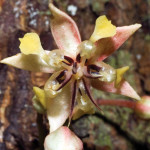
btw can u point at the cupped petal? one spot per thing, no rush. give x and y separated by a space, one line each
65 31
84 104
103 29
63 139
58 108
107 46
123 89
107 72
54 58
31 62
56 82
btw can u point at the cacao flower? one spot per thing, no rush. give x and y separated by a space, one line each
75 67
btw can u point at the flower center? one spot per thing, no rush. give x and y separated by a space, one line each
78 69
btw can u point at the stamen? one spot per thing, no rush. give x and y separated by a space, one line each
92 77
80 92
66 63
74 69
94 68
89 94
61 77
94 74
86 61
69 60
78 58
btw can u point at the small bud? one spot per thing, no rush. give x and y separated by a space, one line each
63 139
142 107
87 49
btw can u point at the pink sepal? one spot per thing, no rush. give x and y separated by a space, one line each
123 89
64 30
107 46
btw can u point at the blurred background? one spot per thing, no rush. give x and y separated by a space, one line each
119 128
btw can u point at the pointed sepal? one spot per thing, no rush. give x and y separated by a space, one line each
64 30
124 88
31 62
106 46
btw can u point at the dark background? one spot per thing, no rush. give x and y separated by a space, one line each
119 128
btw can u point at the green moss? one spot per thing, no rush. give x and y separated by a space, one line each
101 133
147 37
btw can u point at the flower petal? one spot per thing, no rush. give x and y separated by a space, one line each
63 139
103 29
107 46
30 44
31 62
58 108
123 89
84 104
65 31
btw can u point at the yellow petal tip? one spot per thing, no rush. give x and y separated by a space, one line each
120 72
30 44
40 94
103 29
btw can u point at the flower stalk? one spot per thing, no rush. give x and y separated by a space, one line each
141 108
117 102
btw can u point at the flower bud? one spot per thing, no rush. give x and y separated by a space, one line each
142 107
63 139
